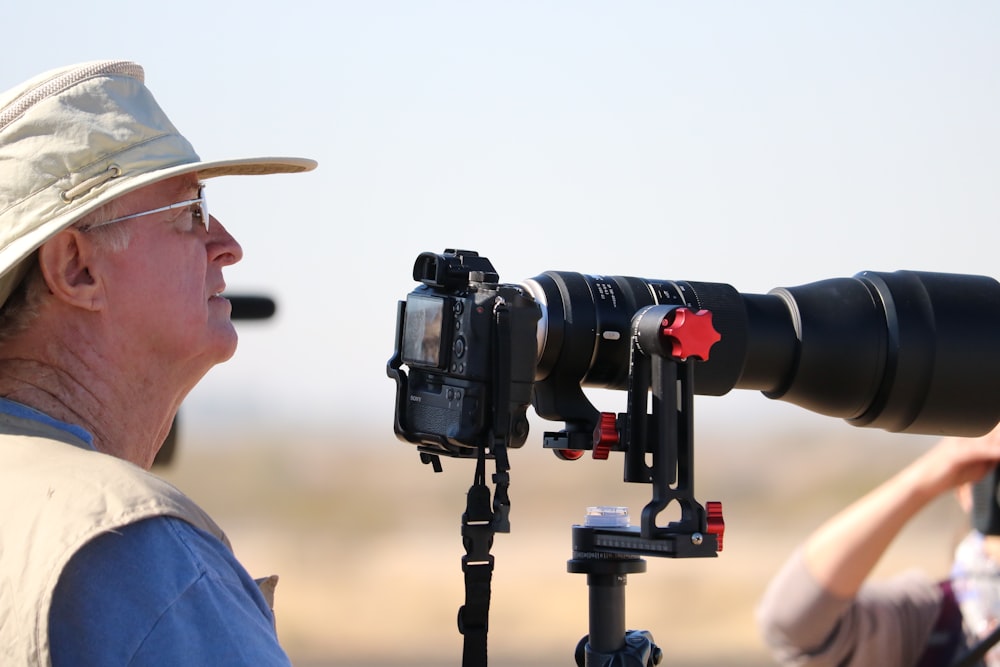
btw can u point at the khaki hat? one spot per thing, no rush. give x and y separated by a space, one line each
73 139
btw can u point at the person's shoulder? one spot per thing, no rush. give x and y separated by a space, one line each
161 552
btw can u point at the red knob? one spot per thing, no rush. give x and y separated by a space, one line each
605 435
716 524
690 333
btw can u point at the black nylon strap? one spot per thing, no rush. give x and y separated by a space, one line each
481 522
477 564
473 617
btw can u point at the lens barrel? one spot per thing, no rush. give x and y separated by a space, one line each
904 351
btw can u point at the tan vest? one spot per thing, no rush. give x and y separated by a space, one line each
55 495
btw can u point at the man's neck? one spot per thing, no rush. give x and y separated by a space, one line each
120 425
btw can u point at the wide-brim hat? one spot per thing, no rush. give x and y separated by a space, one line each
73 139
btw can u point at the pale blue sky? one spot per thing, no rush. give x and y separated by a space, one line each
758 144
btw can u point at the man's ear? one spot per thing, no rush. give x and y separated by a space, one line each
66 261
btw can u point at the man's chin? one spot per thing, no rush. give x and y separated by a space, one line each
225 344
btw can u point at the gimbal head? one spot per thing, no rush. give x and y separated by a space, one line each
666 342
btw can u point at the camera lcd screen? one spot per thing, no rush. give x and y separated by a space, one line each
422 330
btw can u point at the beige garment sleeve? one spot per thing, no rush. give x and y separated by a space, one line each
887 624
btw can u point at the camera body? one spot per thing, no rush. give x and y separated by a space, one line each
985 505
470 345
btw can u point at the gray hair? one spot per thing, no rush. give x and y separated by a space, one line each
24 303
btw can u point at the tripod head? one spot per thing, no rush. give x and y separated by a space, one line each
667 341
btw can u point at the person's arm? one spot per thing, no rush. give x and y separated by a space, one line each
160 592
815 610
844 550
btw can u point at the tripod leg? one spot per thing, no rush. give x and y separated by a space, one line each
607 611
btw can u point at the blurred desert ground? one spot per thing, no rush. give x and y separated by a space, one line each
366 539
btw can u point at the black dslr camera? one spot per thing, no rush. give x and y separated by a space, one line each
469 343
907 351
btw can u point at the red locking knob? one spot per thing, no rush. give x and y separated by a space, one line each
690 333
716 524
605 435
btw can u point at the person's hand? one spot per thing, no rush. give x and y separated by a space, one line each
954 462
843 551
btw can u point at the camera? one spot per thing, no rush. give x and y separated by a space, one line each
904 351
469 343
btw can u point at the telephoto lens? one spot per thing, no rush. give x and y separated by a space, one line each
907 351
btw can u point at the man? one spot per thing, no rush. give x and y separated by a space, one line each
822 610
111 283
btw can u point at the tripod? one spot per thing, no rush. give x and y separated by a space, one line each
607 639
607 550
658 450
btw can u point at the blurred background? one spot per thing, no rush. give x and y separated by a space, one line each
757 144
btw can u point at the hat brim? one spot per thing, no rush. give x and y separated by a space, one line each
18 250
258 166
209 169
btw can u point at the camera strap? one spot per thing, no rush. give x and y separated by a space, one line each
477 564
483 519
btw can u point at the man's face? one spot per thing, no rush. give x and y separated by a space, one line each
164 287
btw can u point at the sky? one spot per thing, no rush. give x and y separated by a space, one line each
760 144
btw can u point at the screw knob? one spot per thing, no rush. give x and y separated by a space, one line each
716 524
605 435
690 333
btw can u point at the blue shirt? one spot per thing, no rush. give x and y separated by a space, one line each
159 592
156 592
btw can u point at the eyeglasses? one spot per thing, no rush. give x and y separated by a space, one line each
200 213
